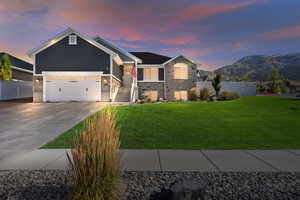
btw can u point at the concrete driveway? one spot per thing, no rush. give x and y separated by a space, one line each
28 126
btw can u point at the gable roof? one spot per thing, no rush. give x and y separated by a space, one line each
18 63
151 58
64 34
124 55
181 56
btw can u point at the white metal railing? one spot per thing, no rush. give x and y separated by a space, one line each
132 91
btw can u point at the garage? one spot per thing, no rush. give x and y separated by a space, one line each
72 86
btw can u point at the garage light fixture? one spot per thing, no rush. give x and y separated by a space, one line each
105 82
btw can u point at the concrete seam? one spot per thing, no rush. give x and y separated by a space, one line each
159 160
210 161
293 153
254 156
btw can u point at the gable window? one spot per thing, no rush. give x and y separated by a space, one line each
180 71
151 74
72 39
180 95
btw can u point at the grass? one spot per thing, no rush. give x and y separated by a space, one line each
247 123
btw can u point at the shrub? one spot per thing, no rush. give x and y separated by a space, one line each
205 94
229 96
193 94
94 164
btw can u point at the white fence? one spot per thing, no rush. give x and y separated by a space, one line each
243 88
15 89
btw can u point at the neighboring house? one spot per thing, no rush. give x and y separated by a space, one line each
75 67
21 70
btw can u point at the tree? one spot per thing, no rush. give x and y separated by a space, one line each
5 68
216 83
278 83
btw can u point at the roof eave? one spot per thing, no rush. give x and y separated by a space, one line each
62 35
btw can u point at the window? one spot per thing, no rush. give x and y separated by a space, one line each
152 95
72 39
180 95
140 74
161 74
151 74
180 71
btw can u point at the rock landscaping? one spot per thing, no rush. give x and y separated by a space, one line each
50 185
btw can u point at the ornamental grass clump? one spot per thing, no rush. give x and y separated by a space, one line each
94 160
205 94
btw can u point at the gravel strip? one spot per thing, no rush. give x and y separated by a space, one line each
50 185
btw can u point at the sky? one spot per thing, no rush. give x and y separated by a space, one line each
212 32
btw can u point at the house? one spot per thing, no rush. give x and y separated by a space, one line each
21 70
75 67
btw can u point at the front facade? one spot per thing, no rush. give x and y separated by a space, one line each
75 67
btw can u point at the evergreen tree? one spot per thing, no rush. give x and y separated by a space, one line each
5 68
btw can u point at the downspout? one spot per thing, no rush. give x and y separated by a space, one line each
165 81
136 86
110 81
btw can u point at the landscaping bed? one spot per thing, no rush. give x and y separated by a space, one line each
50 185
261 122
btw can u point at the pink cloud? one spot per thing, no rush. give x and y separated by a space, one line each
201 11
180 40
14 49
287 32
131 46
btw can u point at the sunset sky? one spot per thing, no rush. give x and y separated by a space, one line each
212 32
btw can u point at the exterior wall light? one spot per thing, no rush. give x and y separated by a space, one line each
105 82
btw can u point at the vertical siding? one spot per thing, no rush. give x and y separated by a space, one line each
64 57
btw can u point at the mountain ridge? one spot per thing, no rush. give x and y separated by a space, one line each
259 67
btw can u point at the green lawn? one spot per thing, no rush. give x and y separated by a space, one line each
247 123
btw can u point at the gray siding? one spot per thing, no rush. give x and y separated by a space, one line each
20 75
64 57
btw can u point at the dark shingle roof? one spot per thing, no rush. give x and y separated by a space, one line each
17 62
110 47
151 58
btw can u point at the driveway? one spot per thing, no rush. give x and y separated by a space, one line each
28 126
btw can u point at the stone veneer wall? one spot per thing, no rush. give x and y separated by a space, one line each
243 88
105 88
147 86
37 89
179 84
127 78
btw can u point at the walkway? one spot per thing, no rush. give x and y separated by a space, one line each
170 160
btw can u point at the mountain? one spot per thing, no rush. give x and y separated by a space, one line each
259 68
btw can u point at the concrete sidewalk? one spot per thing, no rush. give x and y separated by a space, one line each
169 160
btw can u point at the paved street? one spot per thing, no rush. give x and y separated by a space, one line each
171 160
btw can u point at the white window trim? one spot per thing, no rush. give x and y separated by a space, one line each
187 71
145 66
72 39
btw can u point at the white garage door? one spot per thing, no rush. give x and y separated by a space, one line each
72 90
